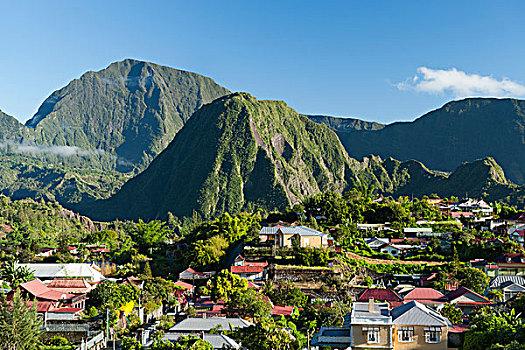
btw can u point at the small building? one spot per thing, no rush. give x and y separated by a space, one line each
373 325
466 299
191 274
286 237
376 243
509 285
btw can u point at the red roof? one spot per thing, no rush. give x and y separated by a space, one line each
246 269
184 285
39 290
458 328
380 295
254 263
43 306
420 294
192 271
68 310
68 283
282 310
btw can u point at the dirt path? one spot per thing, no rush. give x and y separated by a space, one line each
381 261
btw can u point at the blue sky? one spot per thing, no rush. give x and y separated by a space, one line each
343 58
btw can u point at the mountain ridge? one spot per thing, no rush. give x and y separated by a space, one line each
463 130
238 153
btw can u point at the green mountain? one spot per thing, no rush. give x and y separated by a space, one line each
239 153
10 129
483 178
25 177
234 153
460 131
345 124
123 116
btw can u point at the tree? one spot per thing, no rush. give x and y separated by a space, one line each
224 284
248 304
130 344
453 313
264 335
159 291
15 275
149 235
187 342
473 279
19 324
286 293
111 296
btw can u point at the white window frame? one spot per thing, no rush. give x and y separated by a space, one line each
372 335
405 332
433 331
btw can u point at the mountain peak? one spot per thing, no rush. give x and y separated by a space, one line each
130 110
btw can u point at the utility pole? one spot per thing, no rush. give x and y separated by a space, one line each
107 327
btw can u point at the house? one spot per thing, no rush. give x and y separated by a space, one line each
46 272
284 237
417 231
191 274
372 325
509 264
426 296
476 206
399 249
509 285
268 234
490 269
247 269
35 289
466 299
517 233
417 326
376 243
381 294
252 273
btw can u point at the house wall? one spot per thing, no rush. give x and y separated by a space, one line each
360 337
313 241
419 341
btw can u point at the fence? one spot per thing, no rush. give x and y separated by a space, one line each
94 343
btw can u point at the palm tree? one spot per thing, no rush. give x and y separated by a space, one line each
496 294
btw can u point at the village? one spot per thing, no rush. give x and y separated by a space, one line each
307 281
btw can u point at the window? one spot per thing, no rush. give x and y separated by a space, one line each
372 335
433 334
405 334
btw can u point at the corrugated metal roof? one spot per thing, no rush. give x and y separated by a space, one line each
205 324
423 293
300 230
417 314
217 341
499 280
51 271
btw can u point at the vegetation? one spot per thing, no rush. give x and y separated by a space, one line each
453 126
20 327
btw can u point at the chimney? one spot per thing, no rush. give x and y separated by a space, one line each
371 305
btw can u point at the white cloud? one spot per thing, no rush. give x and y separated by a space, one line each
461 84
65 151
